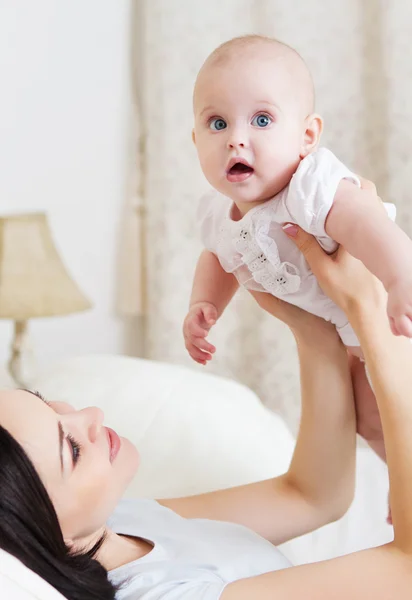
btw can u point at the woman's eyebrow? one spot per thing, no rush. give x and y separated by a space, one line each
61 442
34 392
59 426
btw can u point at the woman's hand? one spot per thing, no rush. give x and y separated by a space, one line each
342 277
302 324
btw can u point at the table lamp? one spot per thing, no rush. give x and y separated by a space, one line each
33 280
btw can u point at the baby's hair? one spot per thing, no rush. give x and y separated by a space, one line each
236 46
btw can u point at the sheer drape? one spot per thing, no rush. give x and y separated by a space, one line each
360 57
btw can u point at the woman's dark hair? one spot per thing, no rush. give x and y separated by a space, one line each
30 530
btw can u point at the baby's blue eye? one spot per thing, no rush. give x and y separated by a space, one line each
261 120
217 124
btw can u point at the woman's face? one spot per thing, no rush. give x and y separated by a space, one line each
74 455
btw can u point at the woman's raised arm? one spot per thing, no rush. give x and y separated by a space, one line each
319 485
383 573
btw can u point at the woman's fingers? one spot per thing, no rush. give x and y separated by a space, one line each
309 246
367 185
342 277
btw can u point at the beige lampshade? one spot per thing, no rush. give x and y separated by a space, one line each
33 279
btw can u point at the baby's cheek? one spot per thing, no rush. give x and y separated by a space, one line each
209 164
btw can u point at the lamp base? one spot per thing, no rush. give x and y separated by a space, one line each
19 344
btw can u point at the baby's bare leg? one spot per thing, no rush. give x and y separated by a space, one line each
368 420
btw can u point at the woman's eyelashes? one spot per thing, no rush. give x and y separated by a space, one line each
76 448
36 393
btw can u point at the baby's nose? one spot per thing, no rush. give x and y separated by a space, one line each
233 144
237 138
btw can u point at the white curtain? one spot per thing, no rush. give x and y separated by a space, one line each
360 57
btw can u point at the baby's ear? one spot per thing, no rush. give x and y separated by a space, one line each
312 134
193 137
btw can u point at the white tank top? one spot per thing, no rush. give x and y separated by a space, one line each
192 559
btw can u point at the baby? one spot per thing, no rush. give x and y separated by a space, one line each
257 138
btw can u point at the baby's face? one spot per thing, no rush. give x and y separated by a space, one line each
249 128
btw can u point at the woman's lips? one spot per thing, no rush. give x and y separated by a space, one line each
114 443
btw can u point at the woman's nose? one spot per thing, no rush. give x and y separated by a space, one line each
94 418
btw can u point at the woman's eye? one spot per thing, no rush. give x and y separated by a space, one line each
261 120
75 448
217 124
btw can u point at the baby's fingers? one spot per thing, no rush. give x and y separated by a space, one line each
198 355
203 344
210 315
195 329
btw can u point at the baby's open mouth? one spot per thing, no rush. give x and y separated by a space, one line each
240 168
239 172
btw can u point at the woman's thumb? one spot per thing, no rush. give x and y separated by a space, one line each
306 243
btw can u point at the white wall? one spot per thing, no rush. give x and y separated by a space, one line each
64 115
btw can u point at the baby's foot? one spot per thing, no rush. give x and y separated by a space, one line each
400 308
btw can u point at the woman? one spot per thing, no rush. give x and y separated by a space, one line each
195 548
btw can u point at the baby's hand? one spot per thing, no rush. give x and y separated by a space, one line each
400 307
200 318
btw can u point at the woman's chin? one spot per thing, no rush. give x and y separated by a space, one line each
129 456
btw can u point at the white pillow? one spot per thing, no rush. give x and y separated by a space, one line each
195 432
17 582
198 432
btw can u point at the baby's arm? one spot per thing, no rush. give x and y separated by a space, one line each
212 291
212 284
362 226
